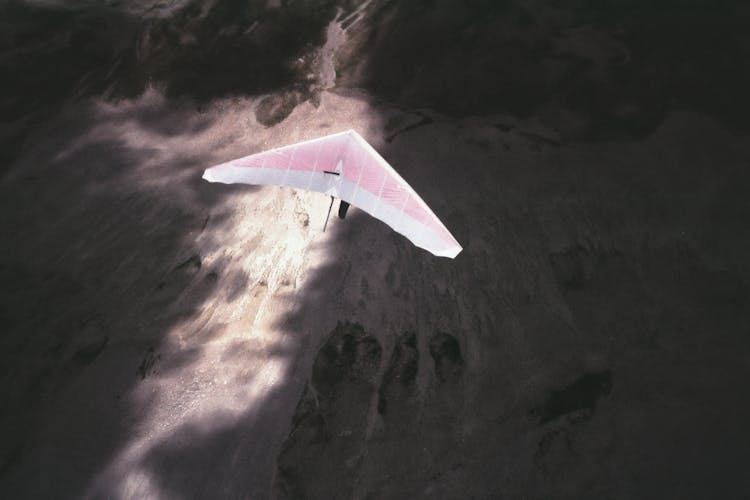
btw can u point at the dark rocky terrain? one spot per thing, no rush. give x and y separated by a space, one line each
163 337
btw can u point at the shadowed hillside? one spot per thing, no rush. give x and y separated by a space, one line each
164 337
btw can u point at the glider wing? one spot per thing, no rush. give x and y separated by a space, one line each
344 165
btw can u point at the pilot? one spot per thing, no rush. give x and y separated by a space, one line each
343 207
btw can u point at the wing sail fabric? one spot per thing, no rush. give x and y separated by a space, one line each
344 165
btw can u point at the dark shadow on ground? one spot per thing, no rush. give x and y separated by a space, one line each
533 365
593 70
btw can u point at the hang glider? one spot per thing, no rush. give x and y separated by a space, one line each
344 165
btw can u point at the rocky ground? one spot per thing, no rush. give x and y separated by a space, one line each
163 337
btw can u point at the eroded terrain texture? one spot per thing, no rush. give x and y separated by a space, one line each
163 337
